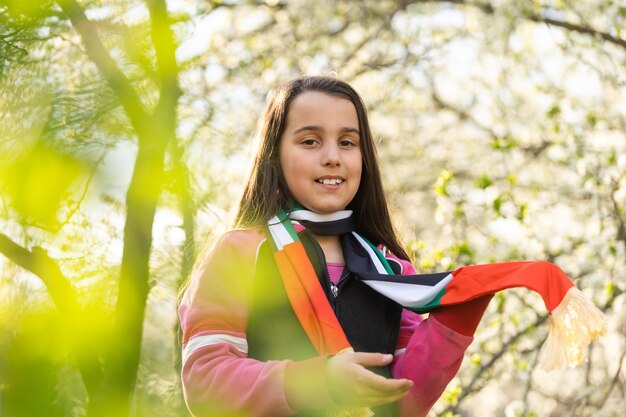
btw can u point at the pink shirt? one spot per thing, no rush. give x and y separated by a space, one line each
217 375
334 271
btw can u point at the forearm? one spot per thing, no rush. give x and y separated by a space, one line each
463 318
306 384
219 380
431 359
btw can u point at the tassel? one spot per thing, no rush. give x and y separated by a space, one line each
574 323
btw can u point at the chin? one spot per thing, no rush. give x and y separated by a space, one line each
327 210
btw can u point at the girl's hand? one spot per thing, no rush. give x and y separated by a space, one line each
351 383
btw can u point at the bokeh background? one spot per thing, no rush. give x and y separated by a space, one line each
125 132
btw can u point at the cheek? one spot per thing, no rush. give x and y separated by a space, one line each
291 174
358 165
287 168
358 173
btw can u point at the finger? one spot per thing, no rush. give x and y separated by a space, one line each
381 396
380 400
368 396
369 380
372 359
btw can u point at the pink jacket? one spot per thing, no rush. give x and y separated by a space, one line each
220 379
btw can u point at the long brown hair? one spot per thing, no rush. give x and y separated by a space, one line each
266 191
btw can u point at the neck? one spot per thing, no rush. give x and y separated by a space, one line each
331 246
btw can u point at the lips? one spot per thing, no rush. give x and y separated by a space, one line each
329 181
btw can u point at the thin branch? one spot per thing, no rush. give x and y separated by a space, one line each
468 388
535 149
461 114
113 75
614 380
586 30
621 225
11 36
78 203
484 368
487 8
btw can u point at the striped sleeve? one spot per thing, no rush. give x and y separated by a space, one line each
218 377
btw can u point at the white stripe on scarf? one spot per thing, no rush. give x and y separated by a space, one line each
315 217
280 235
408 295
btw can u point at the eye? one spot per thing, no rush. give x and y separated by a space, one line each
309 141
347 142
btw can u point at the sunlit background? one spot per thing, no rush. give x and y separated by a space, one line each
125 133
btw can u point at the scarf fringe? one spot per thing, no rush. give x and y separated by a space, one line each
574 324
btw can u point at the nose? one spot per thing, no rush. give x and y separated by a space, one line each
332 155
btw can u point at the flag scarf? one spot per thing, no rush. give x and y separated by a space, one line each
574 322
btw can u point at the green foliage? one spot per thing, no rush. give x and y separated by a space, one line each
27 10
34 366
451 395
37 183
441 185
497 205
484 181
504 144
500 300
553 111
526 414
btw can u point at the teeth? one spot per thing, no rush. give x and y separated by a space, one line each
331 181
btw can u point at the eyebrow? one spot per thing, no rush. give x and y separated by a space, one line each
319 129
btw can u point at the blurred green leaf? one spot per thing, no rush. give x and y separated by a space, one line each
441 184
592 119
497 204
522 211
503 143
483 182
39 181
451 395
27 12
553 111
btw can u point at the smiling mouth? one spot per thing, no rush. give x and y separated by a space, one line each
330 181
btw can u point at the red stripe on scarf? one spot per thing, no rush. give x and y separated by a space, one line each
542 277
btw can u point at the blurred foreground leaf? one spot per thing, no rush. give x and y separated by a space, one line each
39 182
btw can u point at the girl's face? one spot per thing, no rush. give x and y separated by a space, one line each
320 151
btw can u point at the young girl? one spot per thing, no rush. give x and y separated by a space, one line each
255 339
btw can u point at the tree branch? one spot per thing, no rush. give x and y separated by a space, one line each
165 48
80 200
122 360
586 30
621 225
45 268
113 75
487 8
468 388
